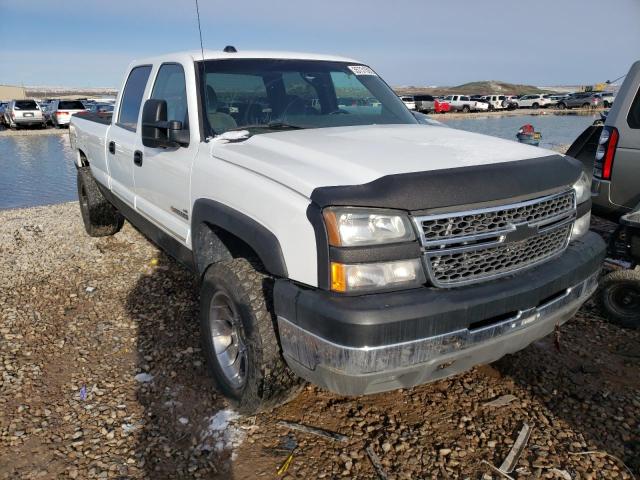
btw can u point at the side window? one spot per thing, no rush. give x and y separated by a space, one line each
132 97
633 119
170 86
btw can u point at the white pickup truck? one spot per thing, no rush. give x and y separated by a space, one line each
462 103
336 239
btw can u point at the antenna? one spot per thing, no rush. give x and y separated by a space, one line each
205 117
199 30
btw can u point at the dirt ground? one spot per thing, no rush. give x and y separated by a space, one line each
101 376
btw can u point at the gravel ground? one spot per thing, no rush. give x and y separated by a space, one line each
101 376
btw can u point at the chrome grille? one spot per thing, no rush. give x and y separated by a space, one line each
467 247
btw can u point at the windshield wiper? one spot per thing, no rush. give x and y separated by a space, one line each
269 126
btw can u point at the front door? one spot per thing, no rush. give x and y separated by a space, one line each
162 176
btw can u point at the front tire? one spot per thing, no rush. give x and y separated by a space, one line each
100 218
621 297
562 106
238 333
535 105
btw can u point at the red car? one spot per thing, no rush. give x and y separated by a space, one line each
441 107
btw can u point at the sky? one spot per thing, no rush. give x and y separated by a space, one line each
89 43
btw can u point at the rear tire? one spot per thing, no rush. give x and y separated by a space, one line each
586 105
621 297
465 109
238 334
562 106
100 218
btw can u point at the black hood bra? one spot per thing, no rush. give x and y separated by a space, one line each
437 189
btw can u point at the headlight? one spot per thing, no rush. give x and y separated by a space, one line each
582 188
349 227
376 276
581 226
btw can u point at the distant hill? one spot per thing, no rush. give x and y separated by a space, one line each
481 88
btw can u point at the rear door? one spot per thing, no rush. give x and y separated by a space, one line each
162 177
123 136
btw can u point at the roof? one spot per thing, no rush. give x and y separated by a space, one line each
196 55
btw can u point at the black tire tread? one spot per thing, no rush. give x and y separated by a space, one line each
274 383
100 218
615 278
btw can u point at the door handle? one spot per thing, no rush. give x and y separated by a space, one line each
112 147
137 158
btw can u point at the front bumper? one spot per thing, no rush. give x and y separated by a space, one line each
381 342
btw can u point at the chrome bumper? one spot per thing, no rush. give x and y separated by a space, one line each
354 371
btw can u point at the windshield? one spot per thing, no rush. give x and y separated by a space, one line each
71 105
26 105
270 94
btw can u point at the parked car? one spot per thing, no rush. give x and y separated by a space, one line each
3 107
584 100
607 98
617 160
363 253
533 101
496 102
409 101
23 113
428 103
463 103
62 110
46 111
100 108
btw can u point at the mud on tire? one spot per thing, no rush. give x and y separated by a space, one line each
99 216
268 381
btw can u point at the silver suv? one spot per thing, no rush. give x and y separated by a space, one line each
584 100
23 113
617 164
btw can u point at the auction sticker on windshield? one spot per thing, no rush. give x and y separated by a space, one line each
361 70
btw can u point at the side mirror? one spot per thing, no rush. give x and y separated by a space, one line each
157 132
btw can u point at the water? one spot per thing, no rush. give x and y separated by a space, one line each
36 170
556 129
39 170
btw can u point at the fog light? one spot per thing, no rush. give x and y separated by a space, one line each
581 226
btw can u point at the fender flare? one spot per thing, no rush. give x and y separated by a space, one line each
208 213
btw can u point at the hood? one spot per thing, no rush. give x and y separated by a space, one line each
305 160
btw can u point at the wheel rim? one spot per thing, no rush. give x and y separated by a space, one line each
229 348
625 298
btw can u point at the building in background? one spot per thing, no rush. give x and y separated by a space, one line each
10 92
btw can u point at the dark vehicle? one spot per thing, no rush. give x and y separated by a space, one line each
99 107
3 107
428 103
621 288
